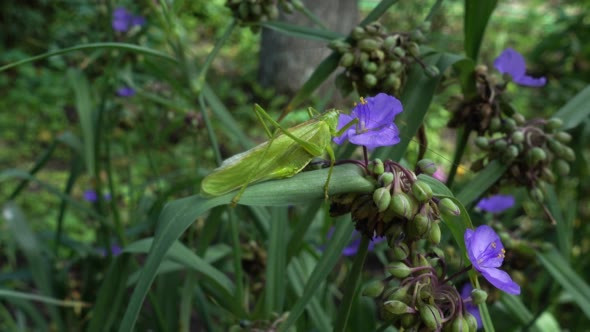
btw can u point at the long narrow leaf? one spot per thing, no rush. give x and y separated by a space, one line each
302 31
477 15
576 110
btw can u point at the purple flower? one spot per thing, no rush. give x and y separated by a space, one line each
486 253
375 125
123 20
355 241
496 203
116 250
125 91
469 306
512 63
91 196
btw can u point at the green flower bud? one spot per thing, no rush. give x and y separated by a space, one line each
395 66
288 7
438 252
548 175
471 321
509 125
378 54
401 205
511 152
364 57
459 324
431 316
386 179
392 81
554 123
382 198
568 154
399 294
427 166
555 146
562 166
414 49
374 288
399 52
370 80
563 137
482 142
495 124
500 144
298 4
401 251
373 27
396 307
448 207
434 234
519 118
536 195
537 155
517 137
478 296
368 44
358 33
418 36
421 191
398 269
420 224
390 41
377 166
408 320
347 60
432 71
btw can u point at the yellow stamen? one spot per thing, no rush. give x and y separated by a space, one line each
363 101
494 245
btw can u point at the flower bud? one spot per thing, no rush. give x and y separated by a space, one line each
495 124
369 67
555 146
568 154
408 320
459 324
448 207
471 321
434 234
399 52
382 198
418 36
368 44
500 144
401 251
390 41
432 71
401 205
414 49
420 224
548 175
563 137
395 66
482 142
421 191
347 59
563 168
431 316
517 137
364 57
386 179
536 195
393 81
298 4
554 123
396 307
378 54
358 33
511 152
373 27
399 294
478 296
374 288
519 118
398 269
377 167
537 155
509 125
370 80
427 166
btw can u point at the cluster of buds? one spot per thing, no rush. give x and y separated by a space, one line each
375 61
534 149
402 207
252 12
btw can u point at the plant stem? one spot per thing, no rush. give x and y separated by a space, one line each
351 284
458 273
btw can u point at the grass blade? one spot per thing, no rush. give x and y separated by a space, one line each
302 31
481 182
576 110
477 15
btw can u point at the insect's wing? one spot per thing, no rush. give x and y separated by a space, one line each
277 158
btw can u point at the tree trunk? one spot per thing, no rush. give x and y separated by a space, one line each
287 62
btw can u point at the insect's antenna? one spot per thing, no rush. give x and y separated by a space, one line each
442 156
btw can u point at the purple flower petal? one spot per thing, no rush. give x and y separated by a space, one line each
90 195
352 248
375 125
125 91
496 203
486 253
512 63
121 19
469 306
138 20
440 175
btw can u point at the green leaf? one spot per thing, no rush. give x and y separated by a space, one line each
576 110
571 282
178 215
86 114
482 181
477 15
376 13
438 188
302 31
6 293
276 262
564 229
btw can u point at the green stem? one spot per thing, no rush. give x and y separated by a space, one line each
462 137
237 256
200 82
351 284
210 133
312 17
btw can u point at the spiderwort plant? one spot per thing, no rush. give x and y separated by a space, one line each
124 20
486 253
496 204
375 125
512 63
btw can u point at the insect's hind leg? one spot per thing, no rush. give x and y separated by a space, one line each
330 152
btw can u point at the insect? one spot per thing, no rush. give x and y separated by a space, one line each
284 155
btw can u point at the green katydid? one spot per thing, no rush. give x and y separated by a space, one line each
284 155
